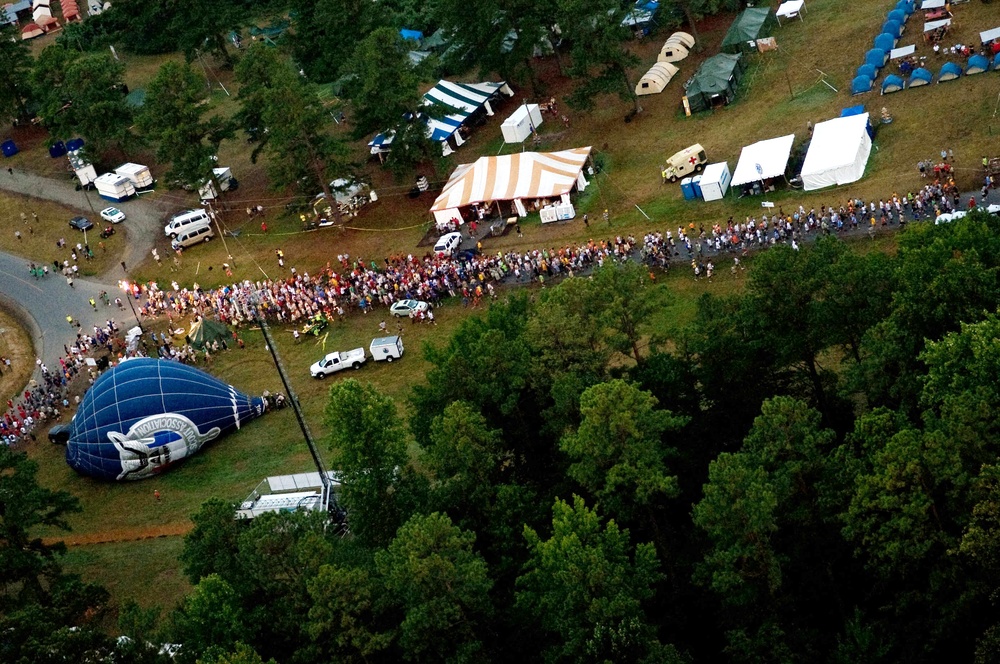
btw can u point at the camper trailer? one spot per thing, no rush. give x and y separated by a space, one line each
114 187
386 348
137 174
84 170
224 177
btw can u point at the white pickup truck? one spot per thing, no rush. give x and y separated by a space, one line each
334 362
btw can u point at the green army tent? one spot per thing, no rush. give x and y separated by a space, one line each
754 23
205 331
715 82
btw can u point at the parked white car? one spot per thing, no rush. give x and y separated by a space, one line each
334 362
948 217
448 244
408 308
113 215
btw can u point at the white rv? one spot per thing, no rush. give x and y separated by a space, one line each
114 187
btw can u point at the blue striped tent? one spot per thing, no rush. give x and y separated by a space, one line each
456 101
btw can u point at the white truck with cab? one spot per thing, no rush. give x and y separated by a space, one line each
334 362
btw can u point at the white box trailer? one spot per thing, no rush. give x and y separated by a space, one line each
517 128
386 348
84 170
207 189
138 175
114 187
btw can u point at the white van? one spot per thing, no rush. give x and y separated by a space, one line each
193 235
448 244
184 220
386 348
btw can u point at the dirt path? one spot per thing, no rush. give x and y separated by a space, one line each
128 535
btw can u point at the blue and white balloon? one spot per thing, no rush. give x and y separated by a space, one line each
145 415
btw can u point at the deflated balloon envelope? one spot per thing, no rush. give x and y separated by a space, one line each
144 415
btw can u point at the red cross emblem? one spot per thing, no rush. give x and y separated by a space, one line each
693 160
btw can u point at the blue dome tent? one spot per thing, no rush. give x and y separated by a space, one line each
996 62
9 148
892 83
144 415
898 15
885 41
860 85
919 77
949 72
893 28
876 57
906 6
871 71
977 65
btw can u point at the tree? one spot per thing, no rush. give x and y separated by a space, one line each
369 451
201 23
585 587
600 61
211 617
348 617
384 87
16 64
84 96
618 451
318 44
173 117
240 654
443 587
211 547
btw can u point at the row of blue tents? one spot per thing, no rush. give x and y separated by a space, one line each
949 72
878 55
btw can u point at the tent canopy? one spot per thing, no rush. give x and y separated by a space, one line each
885 41
949 71
892 83
871 71
205 331
876 57
754 23
771 156
522 175
457 101
977 64
837 153
717 76
656 79
861 84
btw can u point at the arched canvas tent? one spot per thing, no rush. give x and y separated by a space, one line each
920 77
683 38
876 57
892 83
205 331
672 51
949 72
860 85
30 31
898 15
977 65
656 79
893 28
868 70
885 41
906 6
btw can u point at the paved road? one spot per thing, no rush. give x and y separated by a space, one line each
43 304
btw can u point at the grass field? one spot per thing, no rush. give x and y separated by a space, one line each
15 344
781 93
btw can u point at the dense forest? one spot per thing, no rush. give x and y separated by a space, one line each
805 473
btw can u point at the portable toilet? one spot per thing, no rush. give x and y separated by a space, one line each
696 185
9 148
57 149
687 189
715 181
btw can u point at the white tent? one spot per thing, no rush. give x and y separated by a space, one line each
656 79
521 123
512 177
838 152
715 181
763 160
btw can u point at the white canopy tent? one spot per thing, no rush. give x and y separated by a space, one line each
763 160
932 4
838 152
791 9
902 52
934 25
512 177
989 35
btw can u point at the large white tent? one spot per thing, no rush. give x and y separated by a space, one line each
763 160
511 177
838 152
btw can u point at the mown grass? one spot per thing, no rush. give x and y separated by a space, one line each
16 345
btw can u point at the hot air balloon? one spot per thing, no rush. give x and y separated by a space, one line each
145 415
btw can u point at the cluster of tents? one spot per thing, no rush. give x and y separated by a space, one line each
878 56
977 64
675 49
